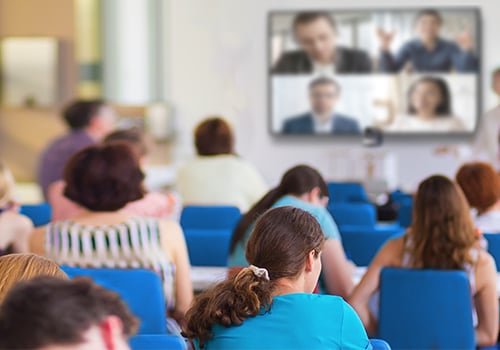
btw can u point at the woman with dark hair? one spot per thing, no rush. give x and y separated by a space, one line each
152 204
441 237
269 303
217 176
103 179
301 187
481 185
429 108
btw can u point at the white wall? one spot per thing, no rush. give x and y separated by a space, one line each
218 65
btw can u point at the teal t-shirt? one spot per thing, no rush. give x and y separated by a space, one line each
330 229
296 321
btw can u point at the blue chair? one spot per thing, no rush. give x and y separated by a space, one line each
353 214
379 344
208 231
347 192
157 342
359 217
494 247
405 204
210 217
141 289
361 247
425 309
208 247
40 214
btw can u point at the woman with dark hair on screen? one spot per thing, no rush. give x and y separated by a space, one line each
269 304
429 109
301 187
441 237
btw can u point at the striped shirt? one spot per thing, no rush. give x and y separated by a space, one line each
134 243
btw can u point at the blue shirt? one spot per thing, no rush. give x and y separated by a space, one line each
330 230
296 321
57 154
445 56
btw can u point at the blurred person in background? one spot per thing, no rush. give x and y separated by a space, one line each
49 313
481 185
428 52
102 179
89 122
301 187
441 237
217 176
15 228
153 204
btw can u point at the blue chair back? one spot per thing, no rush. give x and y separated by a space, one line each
208 247
425 309
494 246
347 192
141 289
210 217
40 214
361 247
157 342
354 214
379 344
208 231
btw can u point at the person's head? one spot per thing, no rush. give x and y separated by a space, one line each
316 34
15 268
213 136
429 96
63 314
323 96
7 186
93 116
104 177
495 81
287 243
442 232
301 181
428 24
481 185
134 137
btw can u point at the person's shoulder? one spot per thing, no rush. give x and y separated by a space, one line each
298 119
308 300
292 62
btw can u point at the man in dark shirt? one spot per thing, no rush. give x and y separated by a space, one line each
428 52
89 122
316 34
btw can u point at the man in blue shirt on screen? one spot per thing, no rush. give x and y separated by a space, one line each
322 119
429 52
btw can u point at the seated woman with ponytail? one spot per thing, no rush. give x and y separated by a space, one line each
301 187
269 303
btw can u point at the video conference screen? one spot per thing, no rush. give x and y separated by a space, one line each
402 71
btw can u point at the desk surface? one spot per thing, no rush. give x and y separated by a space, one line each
205 276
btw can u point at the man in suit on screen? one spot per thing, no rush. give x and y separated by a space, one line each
316 34
322 119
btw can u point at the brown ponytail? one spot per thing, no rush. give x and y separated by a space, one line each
296 181
281 242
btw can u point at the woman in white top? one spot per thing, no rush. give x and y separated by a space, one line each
217 176
481 185
442 236
429 109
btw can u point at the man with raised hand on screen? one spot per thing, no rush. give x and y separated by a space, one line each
322 119
316 35
428 52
